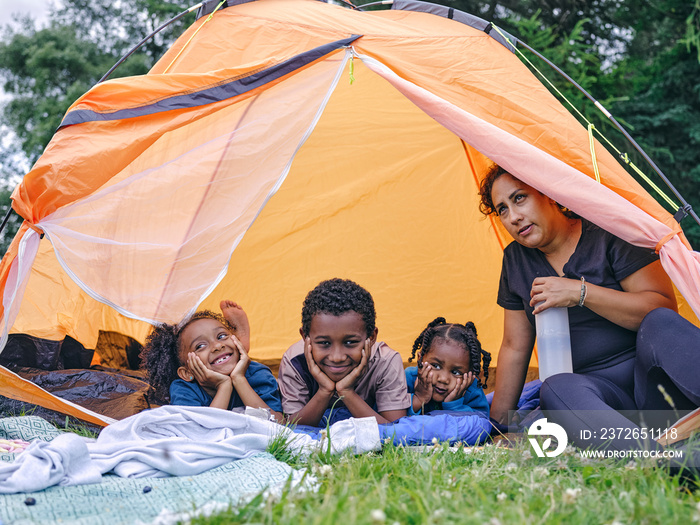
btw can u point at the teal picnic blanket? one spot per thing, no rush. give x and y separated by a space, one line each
26 428
127 501
142 500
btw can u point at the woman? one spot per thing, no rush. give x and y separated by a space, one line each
609 287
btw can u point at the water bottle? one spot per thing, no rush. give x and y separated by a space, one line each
553 342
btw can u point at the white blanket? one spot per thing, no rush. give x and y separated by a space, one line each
170 440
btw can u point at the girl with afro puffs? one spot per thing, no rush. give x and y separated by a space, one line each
203 361
449 365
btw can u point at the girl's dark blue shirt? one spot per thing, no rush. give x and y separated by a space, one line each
259 376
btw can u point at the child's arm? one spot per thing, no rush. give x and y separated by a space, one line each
313 411
208 379
423 388
240 382
357 406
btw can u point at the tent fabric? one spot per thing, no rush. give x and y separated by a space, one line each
361 162
216 93
453 14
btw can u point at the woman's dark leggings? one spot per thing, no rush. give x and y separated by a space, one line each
666 367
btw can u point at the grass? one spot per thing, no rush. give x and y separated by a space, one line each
443 485
493 485
70 424
79 427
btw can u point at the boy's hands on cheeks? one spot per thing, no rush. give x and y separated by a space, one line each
324 382
460 387
348 382
423 388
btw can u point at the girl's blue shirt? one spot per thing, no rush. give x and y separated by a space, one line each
474 399
259 376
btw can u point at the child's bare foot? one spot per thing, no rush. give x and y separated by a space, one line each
234 314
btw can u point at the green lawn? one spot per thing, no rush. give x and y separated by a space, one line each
493 485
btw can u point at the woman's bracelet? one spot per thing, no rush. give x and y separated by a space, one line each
584 291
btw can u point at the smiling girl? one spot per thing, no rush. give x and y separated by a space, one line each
203 361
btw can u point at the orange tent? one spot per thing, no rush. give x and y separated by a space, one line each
282 142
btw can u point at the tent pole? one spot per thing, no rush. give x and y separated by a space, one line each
380 2
7 218
685 208
142 42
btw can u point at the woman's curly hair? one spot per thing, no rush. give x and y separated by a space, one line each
464 334
486 204
160 356
337 297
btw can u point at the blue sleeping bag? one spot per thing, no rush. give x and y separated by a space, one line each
470 428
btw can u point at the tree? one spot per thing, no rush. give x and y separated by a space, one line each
14 220
662 72
639 58
596 19
116 26
45 71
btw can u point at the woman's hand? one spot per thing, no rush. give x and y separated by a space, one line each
461 387
348 382
324 382
549 292
643 291
205 377
423 387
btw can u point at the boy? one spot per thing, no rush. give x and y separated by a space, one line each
338 370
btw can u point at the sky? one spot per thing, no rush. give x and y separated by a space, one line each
37 8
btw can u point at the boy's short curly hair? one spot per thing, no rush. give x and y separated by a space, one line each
337 297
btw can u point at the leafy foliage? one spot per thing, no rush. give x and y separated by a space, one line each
14 220
45 71
641 60
116 26
692 33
